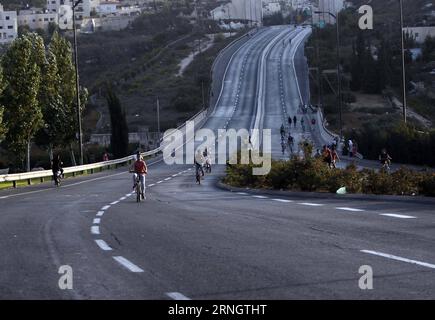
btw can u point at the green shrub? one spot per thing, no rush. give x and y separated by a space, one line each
427 185
350 178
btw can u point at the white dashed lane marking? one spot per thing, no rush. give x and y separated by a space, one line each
96 221
400 216
105 208
177 296
282 200
103 245
260 197
127 264
114 202
390 256
100 213
349 209
151 185
310 204
95 230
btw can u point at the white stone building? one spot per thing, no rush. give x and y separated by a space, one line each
8 26
271 8
251 10
36 19
420 33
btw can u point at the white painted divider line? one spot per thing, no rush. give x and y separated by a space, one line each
128 195
158 182
242 193
114 202
282 200
260 197
123 198
103 245
176 296
390 256
96 221
167 179
310 204
95 230
105 208
174 175
100 213
151 185
400 216
348 209
127 264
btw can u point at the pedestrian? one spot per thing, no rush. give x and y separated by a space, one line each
289 121
327 157
106 156
334 157
350 143
294 120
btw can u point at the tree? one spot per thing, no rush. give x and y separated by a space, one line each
119 138
2 125
52 133
60 48
22 109
429 49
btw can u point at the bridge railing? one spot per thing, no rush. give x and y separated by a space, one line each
28 177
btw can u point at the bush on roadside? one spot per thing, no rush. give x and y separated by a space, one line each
314 175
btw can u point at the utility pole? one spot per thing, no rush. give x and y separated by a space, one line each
158 121
202 90
79 116
339 96
403 62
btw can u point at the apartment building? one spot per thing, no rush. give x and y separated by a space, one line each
8 26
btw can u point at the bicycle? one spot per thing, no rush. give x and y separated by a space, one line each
57 178
198 174
138 186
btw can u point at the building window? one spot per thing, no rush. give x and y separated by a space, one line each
10 27
1 27
51 19
34 20
7 17
53 2
45 19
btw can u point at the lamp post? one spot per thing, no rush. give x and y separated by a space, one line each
403 61
338 66
79 117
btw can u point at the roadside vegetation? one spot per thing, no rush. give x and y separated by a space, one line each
313 175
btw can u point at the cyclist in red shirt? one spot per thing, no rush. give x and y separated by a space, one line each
139 168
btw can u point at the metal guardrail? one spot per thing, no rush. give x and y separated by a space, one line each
29 176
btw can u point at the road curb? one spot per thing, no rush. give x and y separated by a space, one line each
320 195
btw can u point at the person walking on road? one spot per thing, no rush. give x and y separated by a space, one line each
294 120
289 121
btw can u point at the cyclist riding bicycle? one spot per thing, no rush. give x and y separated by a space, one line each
56 167
385 159
207 155
199 160
139 168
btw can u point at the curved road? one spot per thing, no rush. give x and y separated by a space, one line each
201 242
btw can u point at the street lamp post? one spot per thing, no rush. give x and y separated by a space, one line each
403 61
79 117
338 66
